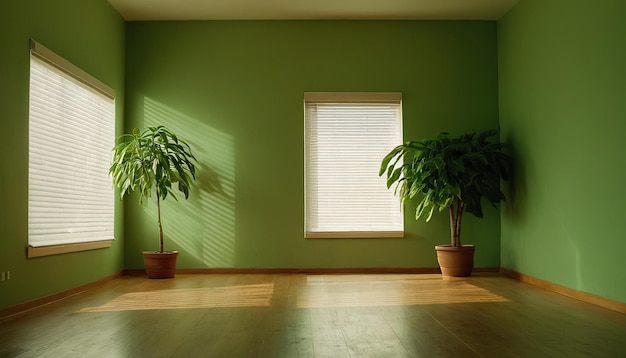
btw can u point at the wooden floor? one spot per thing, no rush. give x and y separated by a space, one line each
298 315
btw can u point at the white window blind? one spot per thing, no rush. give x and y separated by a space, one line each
71 133
346 137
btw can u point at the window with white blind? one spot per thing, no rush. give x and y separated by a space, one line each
71 133
346 137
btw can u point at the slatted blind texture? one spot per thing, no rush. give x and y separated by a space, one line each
347 136
71 134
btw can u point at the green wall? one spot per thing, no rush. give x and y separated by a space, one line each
91 35
562 89
234 89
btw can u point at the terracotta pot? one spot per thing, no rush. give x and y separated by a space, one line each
455 261
160 264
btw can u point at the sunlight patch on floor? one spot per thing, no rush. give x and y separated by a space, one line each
258 295
396 290
319 291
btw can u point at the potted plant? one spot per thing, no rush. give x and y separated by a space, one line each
155 159
449 173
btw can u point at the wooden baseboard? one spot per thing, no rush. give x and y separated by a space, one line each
268 271
312 271
566 291
486 269
37 302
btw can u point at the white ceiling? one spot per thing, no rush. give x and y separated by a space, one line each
156 10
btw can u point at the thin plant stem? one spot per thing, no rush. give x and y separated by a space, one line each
159 220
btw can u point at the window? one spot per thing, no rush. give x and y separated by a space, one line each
346 137
71 133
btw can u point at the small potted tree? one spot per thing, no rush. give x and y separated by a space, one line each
449 173
155 159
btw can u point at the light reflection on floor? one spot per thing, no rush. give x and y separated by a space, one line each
313 291
258 295
396 290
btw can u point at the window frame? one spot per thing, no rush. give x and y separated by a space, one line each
85 81
355 98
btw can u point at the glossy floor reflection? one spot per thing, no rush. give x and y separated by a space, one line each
298 315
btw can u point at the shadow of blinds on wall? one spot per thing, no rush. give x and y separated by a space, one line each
71 133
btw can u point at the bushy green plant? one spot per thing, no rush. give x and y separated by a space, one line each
448 173
155 158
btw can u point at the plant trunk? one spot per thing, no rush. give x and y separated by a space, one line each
159 220
456 214
452 223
